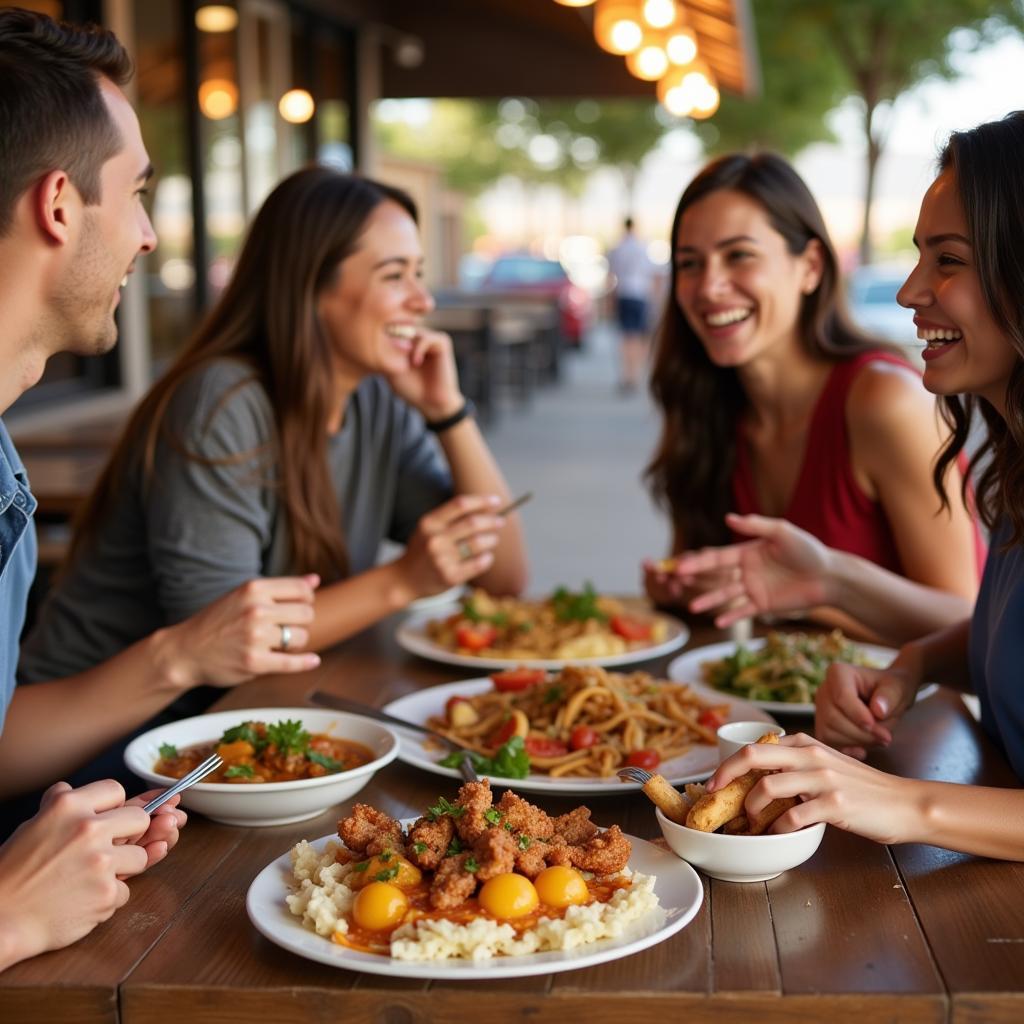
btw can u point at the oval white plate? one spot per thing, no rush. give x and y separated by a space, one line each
698 763
412 636
686 669
677 887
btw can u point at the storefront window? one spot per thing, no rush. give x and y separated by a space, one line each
160 101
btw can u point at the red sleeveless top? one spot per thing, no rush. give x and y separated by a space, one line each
827 501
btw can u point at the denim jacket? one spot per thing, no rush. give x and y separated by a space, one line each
17 561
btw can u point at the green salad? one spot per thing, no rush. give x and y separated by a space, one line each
789 668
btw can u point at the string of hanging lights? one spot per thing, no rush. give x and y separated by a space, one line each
658 46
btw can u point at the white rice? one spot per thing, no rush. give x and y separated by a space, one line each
322 899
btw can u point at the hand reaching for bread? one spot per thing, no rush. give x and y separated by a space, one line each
723 809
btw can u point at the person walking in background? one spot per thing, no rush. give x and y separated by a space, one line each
774 404
634 282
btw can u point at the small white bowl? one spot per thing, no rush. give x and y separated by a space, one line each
741 858
266 803
735 736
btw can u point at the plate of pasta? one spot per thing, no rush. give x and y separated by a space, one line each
780 672
569 731
578 627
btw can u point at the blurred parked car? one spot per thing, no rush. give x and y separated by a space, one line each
533 275
872 290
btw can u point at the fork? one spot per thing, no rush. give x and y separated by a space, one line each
631 774
211 764
466 769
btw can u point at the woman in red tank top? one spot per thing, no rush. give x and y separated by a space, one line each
774 403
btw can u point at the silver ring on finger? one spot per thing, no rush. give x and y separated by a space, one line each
464 550
286 637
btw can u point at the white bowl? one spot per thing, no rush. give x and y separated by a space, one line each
734 736
740 858
266 803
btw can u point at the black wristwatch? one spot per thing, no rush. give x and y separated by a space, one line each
437 426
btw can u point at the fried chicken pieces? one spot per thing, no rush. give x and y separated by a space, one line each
473 839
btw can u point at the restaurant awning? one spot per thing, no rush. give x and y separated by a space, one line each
493 48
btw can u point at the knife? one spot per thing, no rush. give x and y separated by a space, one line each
331 700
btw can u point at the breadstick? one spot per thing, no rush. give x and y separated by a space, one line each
668 799
737 827
763 821
711 812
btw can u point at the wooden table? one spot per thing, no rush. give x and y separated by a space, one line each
859 933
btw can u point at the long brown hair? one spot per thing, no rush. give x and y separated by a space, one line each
266 319
986 162
692 468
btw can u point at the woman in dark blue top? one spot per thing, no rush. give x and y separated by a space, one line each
967 293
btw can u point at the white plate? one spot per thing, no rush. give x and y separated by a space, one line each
677 887
696 764
442 599
686 669
412 635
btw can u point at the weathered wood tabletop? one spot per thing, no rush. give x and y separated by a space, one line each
860 932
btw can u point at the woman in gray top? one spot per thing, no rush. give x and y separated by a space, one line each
312 415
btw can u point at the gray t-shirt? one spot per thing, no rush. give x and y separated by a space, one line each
204 529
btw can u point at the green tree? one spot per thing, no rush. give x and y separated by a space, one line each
815 54
801 82
557 142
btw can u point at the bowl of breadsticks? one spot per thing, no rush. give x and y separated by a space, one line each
712 831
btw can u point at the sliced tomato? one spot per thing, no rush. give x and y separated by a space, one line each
711 719
476 637
515 679
583 736
629 628
644 759
503 733
539 746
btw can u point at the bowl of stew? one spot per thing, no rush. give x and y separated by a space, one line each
281 765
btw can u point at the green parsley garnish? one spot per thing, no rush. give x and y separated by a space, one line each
240 771
442 807
573 607
322 759
246 731
419 847
288 736
524 842
168 750
454 847
385 856
471 865
510 762
554 694
387 874
361 866
493 816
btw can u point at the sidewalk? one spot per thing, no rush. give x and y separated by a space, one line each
581 448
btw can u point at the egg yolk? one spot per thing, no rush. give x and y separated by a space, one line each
379 906
559 886
508 896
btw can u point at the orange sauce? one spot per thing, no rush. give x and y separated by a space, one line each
379 942
266 767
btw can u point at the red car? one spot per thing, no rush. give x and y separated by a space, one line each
533 275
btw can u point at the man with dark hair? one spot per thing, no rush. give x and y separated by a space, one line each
73 168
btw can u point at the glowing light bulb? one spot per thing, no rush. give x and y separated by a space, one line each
296 106
216 18
659 13
218 98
